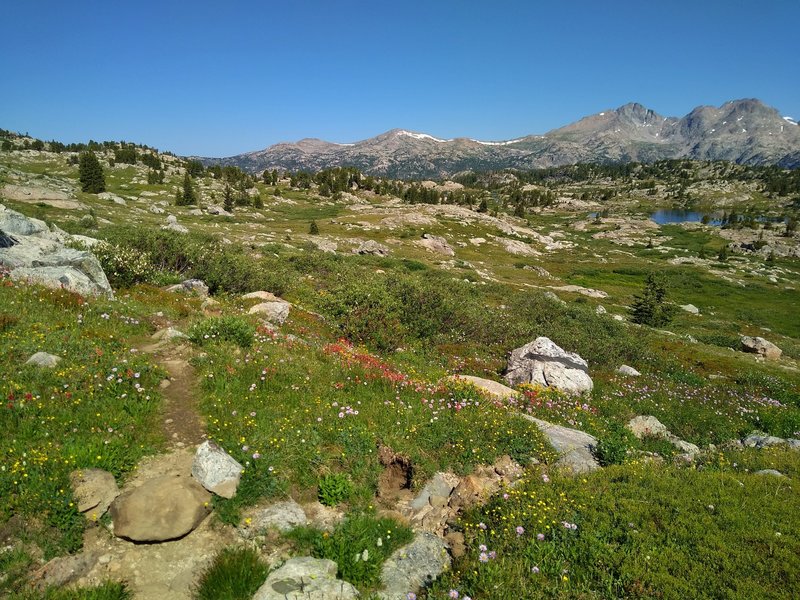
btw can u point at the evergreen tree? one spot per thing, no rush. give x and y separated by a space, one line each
227 198
258 201
189 195
91 173
723 253
313 228
650 307
483 206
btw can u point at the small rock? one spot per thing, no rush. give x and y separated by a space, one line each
63 570
600 310
306 578
441 484
630 371
691 309
574 447
770 473
43 360
190 286
216 470
487 386
758 440
648 425
170 333
468 493
261 295
95 490
436 244
455 539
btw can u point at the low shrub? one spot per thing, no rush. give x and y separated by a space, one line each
612 448
235 574
236 330
359 546
334 489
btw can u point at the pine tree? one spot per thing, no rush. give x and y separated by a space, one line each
189 193
723 253
650 307
313 228
227 198
91 173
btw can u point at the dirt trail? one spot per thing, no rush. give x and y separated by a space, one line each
168 569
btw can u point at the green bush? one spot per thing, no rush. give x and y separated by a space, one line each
334 489
235 574
124 267
237 330
612 448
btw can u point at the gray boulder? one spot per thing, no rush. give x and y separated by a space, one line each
35 253
43 360
544 363
274 312
760 440
648 425
216 470
575 448
283 516
414 566
164 508
691 309
628 370
371 247
173 225
760 346
306 578
436 244
190 286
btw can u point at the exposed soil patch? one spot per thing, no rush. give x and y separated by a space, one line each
395 481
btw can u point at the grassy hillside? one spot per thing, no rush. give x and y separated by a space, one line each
359 366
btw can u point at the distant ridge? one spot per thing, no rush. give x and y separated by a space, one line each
744 131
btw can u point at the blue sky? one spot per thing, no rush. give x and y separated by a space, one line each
220 78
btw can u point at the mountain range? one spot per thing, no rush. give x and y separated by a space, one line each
743 131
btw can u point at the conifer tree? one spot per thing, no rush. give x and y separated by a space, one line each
91 173
227 198
313 228
650 307
189 193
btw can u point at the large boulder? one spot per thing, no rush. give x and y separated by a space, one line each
216 470
436 244
575 448
542 362
414 566
306 578
36 253
762 347
371 247
164 508
274 312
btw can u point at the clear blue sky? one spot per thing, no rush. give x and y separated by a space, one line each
220 78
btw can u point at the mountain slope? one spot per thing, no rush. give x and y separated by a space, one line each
743 131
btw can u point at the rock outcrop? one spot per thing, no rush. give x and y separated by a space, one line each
649 426
414 566
37 253
575 448
436 244
306 578
542 362
760 346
